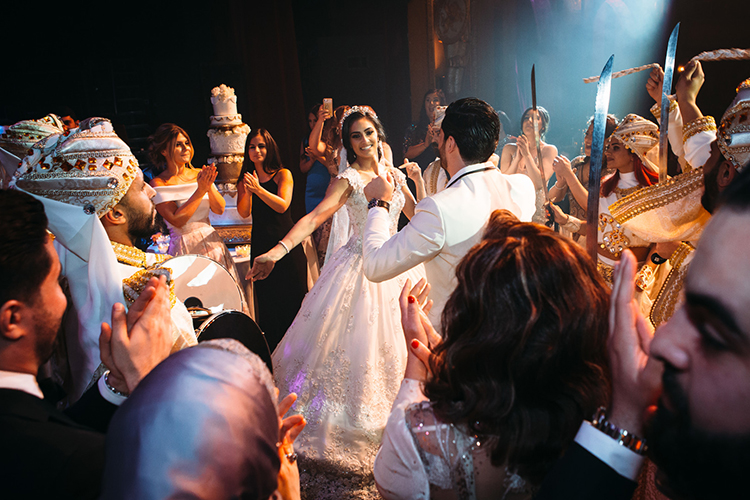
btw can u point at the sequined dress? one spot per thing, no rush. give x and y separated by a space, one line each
344 356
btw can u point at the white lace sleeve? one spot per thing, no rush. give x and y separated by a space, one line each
399 471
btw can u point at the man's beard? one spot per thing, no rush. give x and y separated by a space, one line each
711 190
46 329
141 224
697 464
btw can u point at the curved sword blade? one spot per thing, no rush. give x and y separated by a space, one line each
597 150
665 90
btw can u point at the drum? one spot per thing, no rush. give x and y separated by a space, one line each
239 326
203 283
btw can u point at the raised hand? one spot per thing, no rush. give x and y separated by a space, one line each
323 114
690 82
412 170
206 177
654 83
139 340
636 378
419 333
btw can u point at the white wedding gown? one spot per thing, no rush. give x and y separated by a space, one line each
344 355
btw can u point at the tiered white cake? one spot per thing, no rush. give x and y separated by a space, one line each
227 134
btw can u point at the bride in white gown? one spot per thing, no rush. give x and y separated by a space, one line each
345 351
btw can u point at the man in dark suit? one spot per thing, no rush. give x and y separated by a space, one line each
45 453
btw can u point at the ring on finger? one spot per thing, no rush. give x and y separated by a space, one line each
292 457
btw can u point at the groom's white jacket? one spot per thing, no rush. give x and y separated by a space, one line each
444 227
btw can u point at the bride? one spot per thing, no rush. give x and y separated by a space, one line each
346 344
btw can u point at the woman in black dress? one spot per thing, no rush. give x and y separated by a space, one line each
265 191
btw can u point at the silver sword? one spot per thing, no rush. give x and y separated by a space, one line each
595 163
665 89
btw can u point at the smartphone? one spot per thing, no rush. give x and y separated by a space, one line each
328 104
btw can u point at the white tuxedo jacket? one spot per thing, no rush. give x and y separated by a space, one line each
444 228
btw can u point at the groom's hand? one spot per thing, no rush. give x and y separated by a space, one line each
380 188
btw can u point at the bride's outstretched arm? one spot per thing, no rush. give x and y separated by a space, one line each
336 195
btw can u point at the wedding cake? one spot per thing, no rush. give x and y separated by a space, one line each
227 135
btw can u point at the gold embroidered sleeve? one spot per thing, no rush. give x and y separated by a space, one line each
702 124
656 108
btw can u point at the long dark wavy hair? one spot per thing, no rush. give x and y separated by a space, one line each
272 161
163 139
351 157
523 359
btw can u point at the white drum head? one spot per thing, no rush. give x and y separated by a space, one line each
199 277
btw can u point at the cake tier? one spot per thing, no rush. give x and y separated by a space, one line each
228 141
228 168
227 120
224 101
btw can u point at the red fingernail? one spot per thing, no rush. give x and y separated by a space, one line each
412 299
414 344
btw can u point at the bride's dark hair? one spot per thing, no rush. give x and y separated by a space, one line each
351 157
523 358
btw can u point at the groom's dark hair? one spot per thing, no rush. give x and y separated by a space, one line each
474 126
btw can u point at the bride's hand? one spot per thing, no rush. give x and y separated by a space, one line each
262 267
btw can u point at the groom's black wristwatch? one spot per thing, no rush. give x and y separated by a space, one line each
378 203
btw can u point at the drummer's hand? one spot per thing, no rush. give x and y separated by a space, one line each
262 267
138 340
206 178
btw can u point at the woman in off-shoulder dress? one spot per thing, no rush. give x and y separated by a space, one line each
184 197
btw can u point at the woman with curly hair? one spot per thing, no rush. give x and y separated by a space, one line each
521 362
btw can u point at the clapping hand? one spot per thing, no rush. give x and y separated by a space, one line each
420 336
251 182
138 340
206 178
523 146
561 167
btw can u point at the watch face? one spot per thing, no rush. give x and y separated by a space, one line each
450 19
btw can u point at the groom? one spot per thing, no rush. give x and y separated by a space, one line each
446 225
